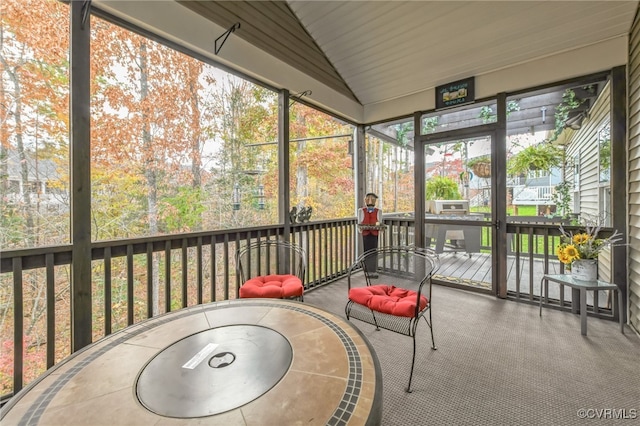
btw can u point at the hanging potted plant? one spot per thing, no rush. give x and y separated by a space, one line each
542 156
481 166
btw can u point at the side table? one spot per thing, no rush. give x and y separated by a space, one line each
582 286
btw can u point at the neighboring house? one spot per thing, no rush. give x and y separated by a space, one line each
41 174
535 190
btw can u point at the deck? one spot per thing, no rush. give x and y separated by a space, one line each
474 270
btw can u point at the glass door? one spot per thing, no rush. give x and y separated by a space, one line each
458 210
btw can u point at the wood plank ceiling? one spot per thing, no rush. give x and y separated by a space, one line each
376 51
274 28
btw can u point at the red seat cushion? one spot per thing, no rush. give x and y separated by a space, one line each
276 286
388 299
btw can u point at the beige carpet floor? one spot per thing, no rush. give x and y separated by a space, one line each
499 363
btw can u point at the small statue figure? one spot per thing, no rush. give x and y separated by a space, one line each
368 216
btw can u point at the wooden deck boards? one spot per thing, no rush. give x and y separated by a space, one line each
475 270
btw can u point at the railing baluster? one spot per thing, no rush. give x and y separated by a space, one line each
18 324
167 276
130 284
518 240
107 291
213 267
150 281
532 244
185 274
199 270
332 252
313 274
325 255
342 245
225 252
51 310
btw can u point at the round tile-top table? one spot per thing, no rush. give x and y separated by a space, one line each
241 362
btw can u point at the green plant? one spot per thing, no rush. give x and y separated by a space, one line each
569 102
488 116
562 198
542 156
605 155
477 160
442 188
429 125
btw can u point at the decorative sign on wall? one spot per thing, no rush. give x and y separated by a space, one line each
456 93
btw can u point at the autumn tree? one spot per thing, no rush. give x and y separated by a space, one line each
34 124
35 98
322 173
170 138
242 153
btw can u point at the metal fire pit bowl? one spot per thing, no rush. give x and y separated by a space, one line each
214 371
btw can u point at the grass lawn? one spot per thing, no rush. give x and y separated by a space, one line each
522 210
524 239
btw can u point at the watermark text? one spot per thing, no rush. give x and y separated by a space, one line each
607 413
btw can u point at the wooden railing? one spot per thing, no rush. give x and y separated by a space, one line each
523 234
136 279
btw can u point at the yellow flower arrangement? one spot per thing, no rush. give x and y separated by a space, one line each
583 245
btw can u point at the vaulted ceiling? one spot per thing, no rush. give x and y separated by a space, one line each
374 60
376 51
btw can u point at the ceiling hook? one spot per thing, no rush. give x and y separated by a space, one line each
226 36
297 97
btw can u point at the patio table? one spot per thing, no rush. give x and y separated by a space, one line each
249 362
581 286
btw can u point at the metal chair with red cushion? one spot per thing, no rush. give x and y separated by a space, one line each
271 268
399 297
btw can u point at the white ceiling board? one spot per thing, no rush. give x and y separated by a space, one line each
388 50
563 66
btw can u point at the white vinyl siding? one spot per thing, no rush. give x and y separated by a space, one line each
634 175
584 148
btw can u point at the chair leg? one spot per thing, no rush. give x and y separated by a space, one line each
413 361
375 321
430 323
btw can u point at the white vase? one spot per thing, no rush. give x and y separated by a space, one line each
585 269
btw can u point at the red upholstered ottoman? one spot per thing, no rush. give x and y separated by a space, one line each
275 286
388 299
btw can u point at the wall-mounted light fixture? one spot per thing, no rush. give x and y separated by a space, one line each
574 119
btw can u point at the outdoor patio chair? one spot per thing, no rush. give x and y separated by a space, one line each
399 297
271 268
